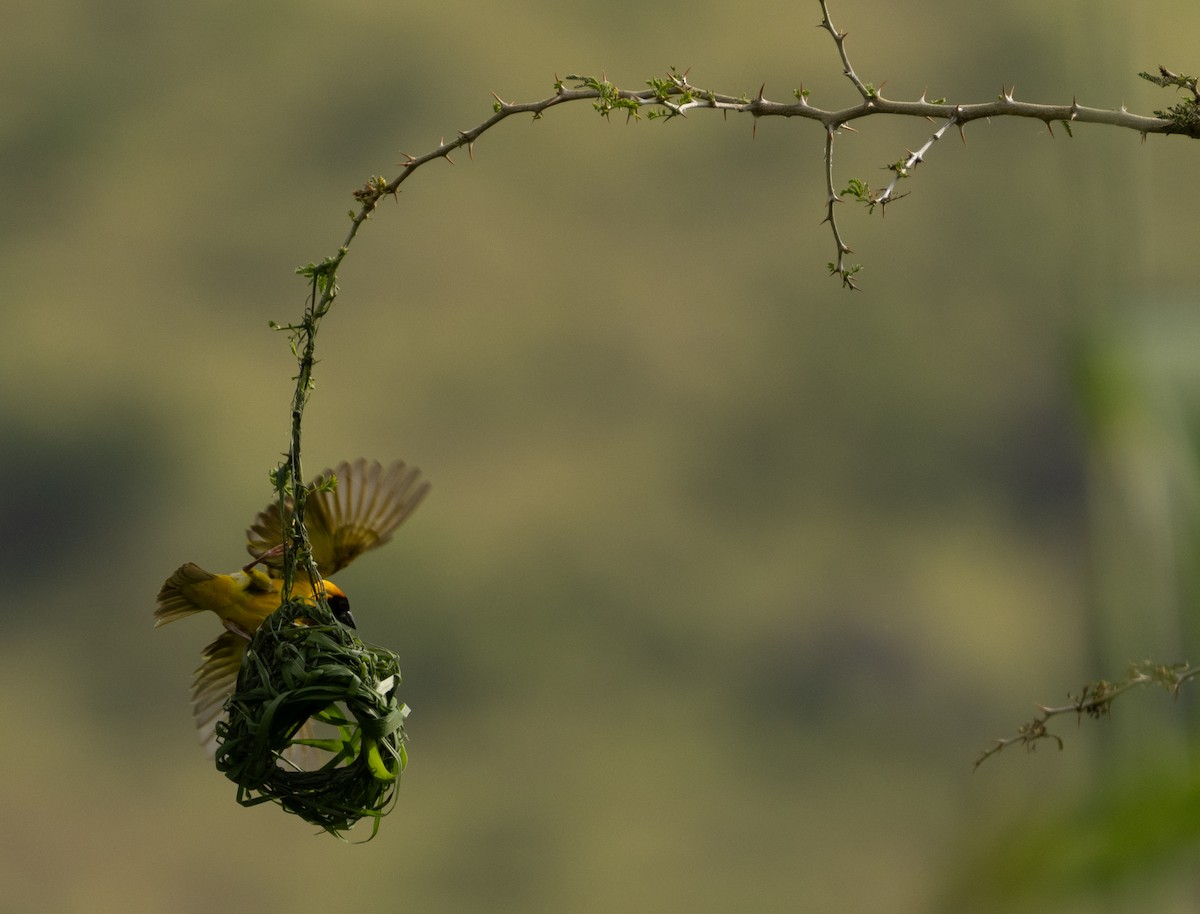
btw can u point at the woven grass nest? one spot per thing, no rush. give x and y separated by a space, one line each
304 666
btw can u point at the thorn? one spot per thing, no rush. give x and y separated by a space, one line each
1050 126
502 103
754 130
760 91
1074 108
956 118
471 150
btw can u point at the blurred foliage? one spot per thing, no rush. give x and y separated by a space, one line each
724 579
1130 845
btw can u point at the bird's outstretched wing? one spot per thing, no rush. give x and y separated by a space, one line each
214 682
368 504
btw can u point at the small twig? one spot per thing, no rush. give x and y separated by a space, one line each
840 39
905 166
1095 700
838 267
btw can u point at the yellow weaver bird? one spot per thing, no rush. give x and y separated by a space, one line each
368 504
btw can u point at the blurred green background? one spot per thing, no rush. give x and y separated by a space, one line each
727 575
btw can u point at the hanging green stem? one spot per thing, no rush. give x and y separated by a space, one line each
288 476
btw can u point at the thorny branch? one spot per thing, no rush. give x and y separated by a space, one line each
1095 700
674 96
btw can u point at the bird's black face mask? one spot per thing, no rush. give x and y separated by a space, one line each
341 610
